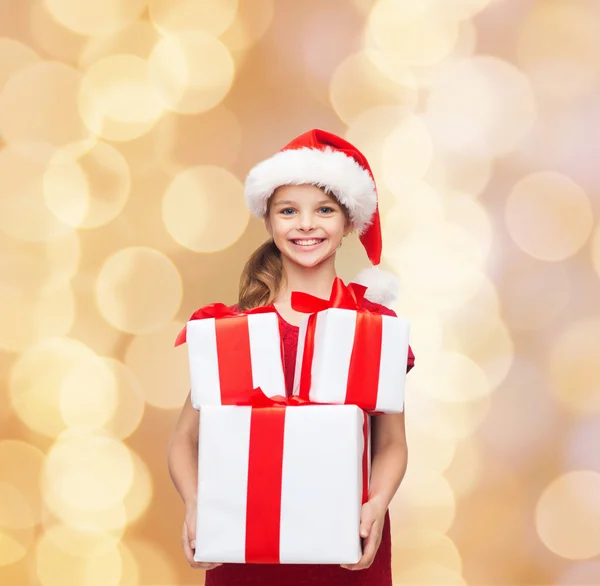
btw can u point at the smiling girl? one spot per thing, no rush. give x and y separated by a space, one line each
311 195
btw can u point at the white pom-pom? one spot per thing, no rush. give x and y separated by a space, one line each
382 286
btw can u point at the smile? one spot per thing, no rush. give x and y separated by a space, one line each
308 242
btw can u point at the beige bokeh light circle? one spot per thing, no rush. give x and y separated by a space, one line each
26 113
23 212
251 22
596 250
204 209
79 541
429 451
117 100
16 525
37 379
567 515
88 17
162 371
138 290
429 574
549 216
574 367
149 562
14 56
29 318
461 9
55 567
416 33
89 471
376 89
481 106
558 41
407 152
174 16
191 72
87 187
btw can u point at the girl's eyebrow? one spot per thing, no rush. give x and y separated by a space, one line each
323 202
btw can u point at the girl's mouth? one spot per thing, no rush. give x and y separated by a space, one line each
308 243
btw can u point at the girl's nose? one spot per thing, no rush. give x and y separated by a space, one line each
307 221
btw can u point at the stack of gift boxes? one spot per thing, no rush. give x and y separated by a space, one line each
282 479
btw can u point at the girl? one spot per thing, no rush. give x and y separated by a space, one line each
311 195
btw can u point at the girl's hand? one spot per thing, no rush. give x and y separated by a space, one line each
372 517
188 540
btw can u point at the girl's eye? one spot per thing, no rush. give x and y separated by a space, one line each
286 210
326 210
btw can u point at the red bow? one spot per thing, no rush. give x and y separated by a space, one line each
218 310
256 398
342 297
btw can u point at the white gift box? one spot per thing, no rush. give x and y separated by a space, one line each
370 373
311 513
248 349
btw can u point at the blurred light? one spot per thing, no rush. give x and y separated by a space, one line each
153 563
162 370
128 294
193 215
174 16
138 39
445 420
16 525
549 216
424 501
21 468
464 471
455 172
428 574
37 379
252 20
191 72
130 401
187 141
415 33
427 450
456 378
26 115
81 542
582 446
376 89
117 100
580 574
567 515
480 334
464 211
523 393
138 497
537 294
55 567
480 107
596 250
14 56
407 152
59 42
87 189
23 212
28 318
559 41
461 9
89 410
413 549
87 17
574 367
89 472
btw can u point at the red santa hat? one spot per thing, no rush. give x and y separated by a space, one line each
332 163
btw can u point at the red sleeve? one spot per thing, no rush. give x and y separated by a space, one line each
383 310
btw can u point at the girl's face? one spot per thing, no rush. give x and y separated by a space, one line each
306 224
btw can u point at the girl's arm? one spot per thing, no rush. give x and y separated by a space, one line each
183 467
389 457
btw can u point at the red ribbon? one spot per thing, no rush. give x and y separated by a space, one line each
265 472
363 374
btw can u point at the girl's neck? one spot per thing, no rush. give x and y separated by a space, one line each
316 281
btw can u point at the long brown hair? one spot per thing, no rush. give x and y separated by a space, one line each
262 277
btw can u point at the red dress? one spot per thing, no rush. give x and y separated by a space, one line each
380 572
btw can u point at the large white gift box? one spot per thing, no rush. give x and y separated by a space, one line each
353 357
281 484
234 354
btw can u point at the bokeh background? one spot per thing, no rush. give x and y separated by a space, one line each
126 130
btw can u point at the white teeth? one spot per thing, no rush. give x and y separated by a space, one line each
307 242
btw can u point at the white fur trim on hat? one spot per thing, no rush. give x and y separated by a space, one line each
382 286
351 184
